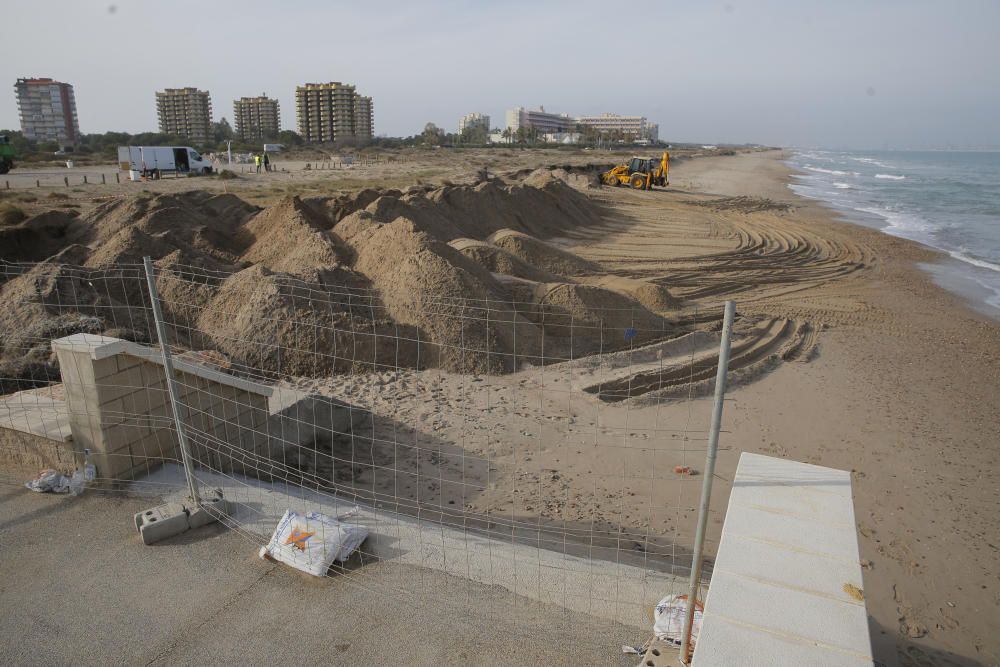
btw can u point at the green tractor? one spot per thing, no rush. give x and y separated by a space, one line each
6 155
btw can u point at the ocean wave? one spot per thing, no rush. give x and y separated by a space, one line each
981 263
873 161
835 172
903 224
842 186
891 177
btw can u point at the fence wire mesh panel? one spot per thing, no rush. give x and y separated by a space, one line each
538 450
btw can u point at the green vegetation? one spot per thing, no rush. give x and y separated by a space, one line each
104 147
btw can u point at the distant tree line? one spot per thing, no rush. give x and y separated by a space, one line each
103 146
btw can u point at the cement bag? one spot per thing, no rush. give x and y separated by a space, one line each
669 619
311 542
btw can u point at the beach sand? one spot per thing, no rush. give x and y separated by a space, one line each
848 355
894 378
903 392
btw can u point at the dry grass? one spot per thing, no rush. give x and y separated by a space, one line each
11 214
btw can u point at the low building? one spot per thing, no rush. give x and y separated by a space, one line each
257 118
186 112
47 109
472 121
541 120
631 127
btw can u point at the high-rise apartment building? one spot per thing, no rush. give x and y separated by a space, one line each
333 112
256 117
364 117
471 121
186 112
48 111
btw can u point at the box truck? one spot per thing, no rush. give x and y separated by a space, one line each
151 161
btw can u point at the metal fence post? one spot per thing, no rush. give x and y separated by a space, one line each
168 370
706 485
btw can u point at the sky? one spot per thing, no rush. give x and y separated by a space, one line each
845 74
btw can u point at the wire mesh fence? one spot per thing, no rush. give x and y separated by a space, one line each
546 449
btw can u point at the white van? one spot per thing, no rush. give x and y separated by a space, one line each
151 161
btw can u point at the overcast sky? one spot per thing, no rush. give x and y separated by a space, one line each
893 73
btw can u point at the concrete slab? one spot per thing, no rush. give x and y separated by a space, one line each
787 557
103 348
82 589
571 576
37 414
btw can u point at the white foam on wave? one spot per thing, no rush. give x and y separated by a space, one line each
903 224
872 161
842 186
981 263
891 177
834 172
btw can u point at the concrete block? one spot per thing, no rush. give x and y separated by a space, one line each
104 368
126 362
119 436
152 376
213 507
171 519
120 385
113 465
145 401
158 444
113 412
661 653
161 522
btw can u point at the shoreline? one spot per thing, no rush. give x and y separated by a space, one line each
956 275
902 392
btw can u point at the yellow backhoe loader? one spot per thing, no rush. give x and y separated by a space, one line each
640 173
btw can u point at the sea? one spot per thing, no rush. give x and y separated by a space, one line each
949 200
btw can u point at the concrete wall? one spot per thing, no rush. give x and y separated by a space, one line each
34 433
118 406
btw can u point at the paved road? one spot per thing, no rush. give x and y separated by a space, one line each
77 586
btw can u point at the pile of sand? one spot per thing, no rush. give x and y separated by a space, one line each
290 237
654 297
39 237
452 302
196 221
338 208
305 331
54 300
545 208
456 277
596 319
498 260
540 254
